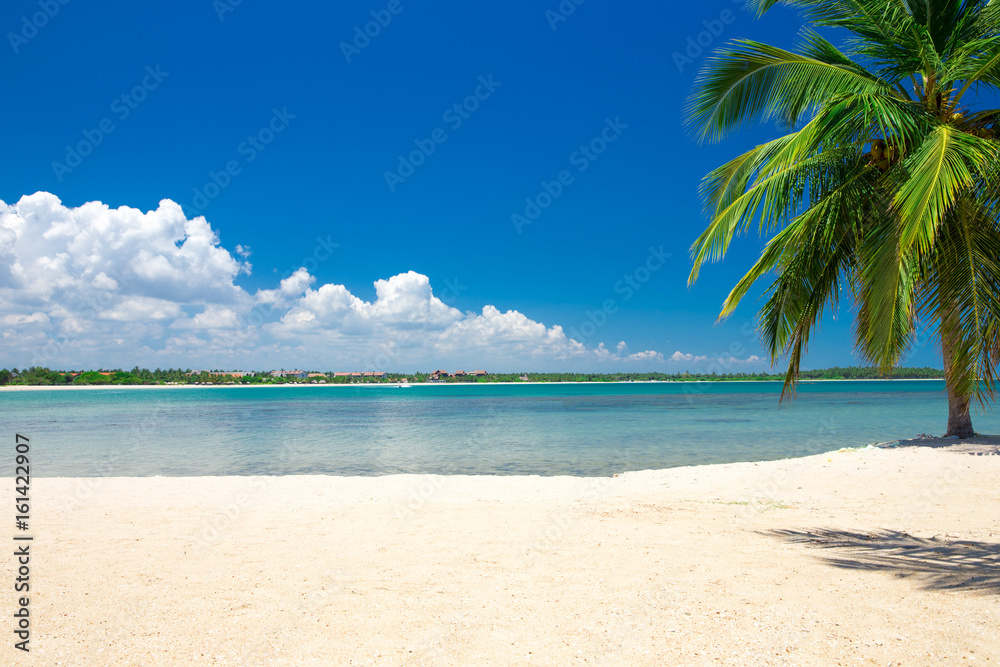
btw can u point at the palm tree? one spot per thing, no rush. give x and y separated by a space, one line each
886 183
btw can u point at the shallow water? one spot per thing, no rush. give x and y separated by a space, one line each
571 429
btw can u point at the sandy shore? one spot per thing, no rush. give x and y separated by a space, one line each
878 556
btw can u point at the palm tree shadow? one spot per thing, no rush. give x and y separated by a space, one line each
961 565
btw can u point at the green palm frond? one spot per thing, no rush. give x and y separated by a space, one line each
857 118
891 185
808 282
966 277
749 82
884 286
838 212
938 171
982 67
773 199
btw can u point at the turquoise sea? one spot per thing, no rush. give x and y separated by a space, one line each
566 429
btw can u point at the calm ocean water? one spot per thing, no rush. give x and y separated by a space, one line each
573 429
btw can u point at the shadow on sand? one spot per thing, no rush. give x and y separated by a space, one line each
978 445
961 565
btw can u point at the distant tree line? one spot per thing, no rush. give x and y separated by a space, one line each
46 377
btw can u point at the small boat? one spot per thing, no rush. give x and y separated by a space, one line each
403 385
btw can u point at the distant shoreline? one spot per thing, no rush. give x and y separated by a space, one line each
394 385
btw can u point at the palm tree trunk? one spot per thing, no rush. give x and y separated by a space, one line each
959 417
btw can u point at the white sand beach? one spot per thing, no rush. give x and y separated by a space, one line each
878 556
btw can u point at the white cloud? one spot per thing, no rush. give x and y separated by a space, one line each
21 320
104 282
289 288
621 354
212 317
141 309
726 362
407 300
647 355
58 254
690 358
92 285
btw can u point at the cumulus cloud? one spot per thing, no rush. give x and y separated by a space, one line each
646 355
212 317
94 285
289 288
622 354
21 320
98 286
725 361
690 358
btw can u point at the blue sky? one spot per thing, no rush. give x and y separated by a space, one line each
279 126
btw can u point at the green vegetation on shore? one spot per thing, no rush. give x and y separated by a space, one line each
142 376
